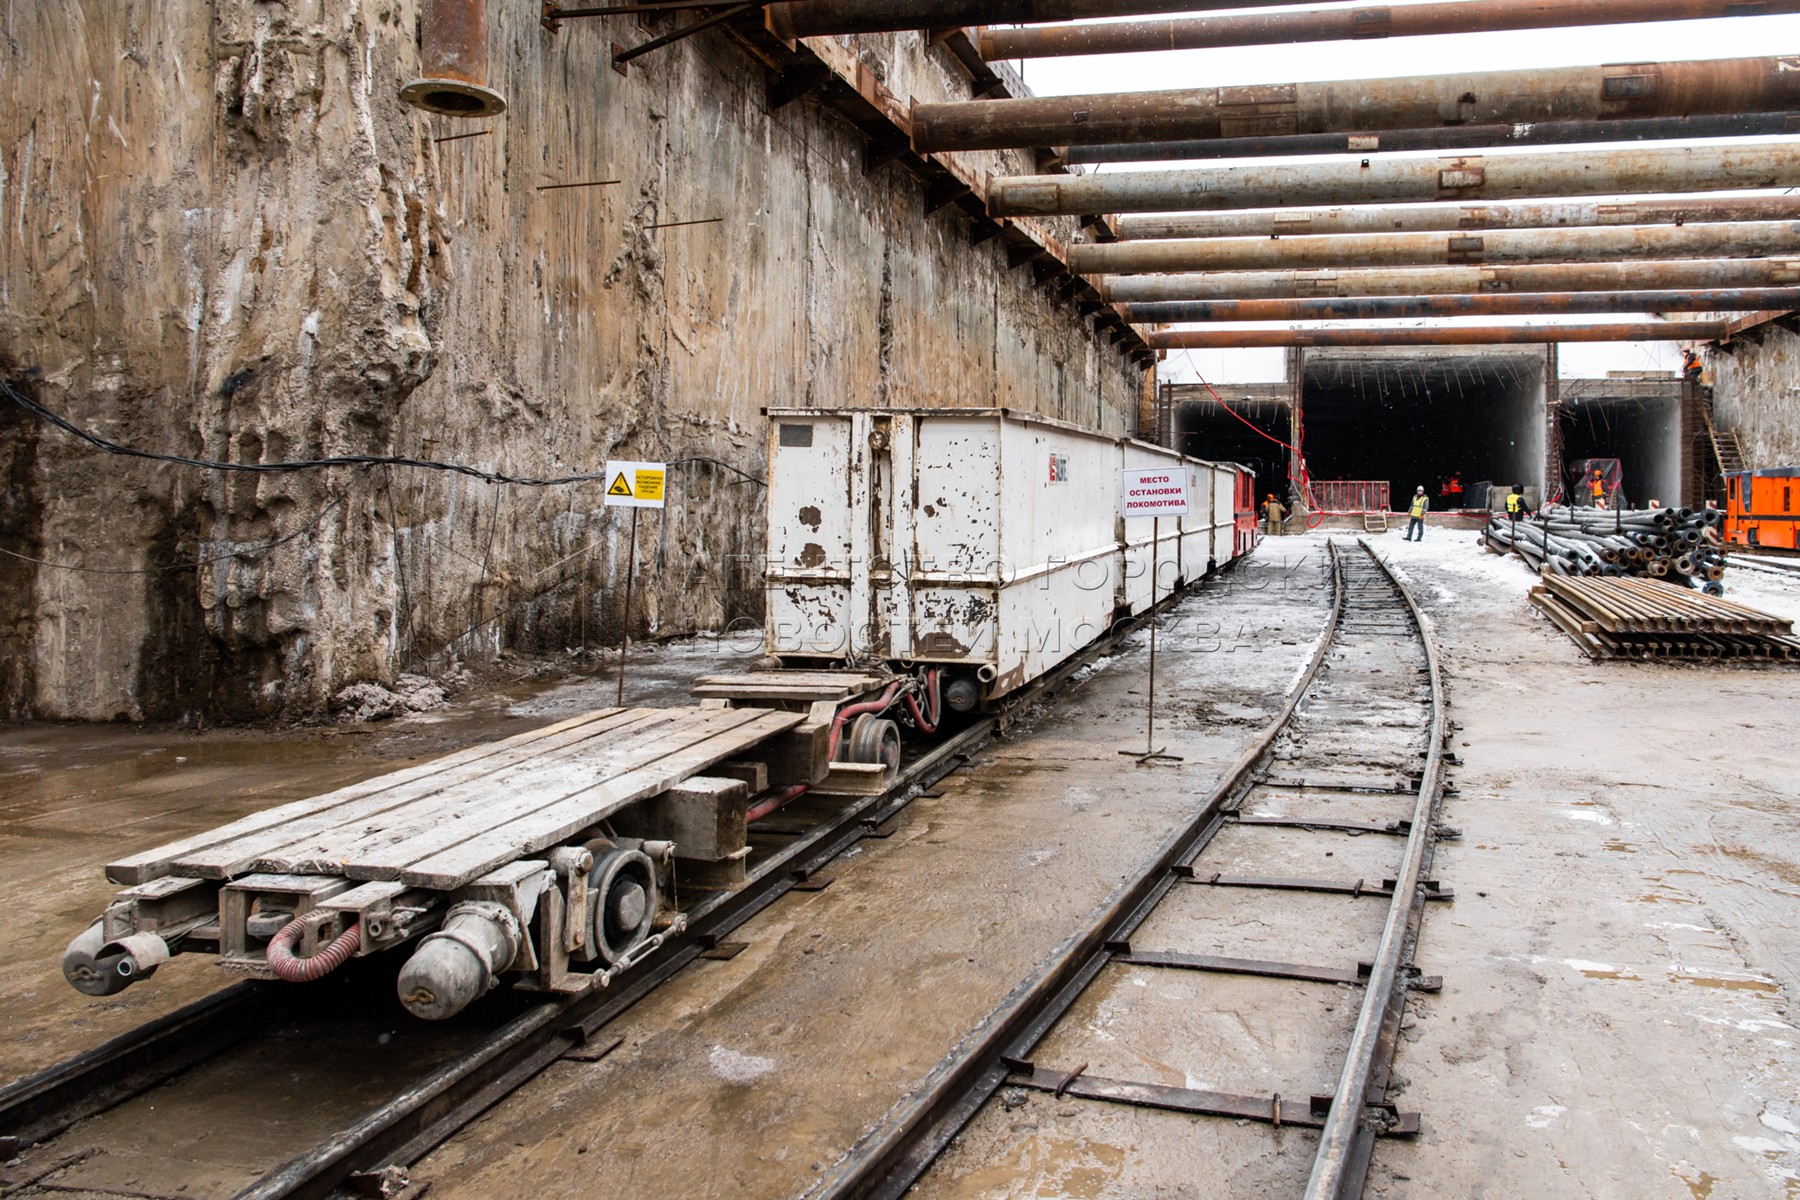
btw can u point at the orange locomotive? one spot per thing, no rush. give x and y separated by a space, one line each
1759 507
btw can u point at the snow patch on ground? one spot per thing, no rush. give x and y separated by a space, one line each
738 1068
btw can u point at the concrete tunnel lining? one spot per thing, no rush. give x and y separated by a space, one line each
1417 419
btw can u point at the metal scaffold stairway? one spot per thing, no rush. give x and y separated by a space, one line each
1725 446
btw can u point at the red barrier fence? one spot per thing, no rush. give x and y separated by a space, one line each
1332 497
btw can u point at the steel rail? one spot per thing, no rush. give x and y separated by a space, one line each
1339 1162
409 1125
44 1104
890 1158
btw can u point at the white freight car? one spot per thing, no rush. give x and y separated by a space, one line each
983 542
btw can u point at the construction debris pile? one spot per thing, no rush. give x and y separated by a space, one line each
1681 545
1647 618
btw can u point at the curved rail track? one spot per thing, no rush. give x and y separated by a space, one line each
473 1070
1313 758
371 1150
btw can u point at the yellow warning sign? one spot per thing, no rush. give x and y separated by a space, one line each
636 484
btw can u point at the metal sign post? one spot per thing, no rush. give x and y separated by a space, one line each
633 485
1154 492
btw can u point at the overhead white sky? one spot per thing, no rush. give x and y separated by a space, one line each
1735 37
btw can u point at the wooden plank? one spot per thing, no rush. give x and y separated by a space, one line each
150 864
546 827
225 859
455 814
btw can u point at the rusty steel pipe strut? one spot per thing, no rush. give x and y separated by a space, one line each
1750 239
1541 175
1396 308
818 18
1690 274
1329 25
1667 89
1448 137
453 62
1446 335
1444 218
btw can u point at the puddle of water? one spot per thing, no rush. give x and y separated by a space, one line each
1702 1185
1765 986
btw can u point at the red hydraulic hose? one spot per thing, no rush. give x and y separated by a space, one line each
933 701
787 795
292 969
869 706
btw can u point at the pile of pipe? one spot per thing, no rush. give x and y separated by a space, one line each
1680 545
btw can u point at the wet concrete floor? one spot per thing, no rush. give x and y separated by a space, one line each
1619 965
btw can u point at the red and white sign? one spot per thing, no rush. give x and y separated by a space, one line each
1155 491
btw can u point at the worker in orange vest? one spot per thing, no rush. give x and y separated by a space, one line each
1599 489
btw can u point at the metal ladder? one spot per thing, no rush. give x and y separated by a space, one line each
1725 446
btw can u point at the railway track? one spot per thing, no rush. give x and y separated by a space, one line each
1338 762
470 1066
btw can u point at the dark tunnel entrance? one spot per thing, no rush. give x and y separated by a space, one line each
1206 430
1637 422
1427 417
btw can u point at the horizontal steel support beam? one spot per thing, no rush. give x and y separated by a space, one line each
1447 137
1687 274
1445 218
1327 25
1544 174
818 18
1498 304
1460 335
1668 89
1752 239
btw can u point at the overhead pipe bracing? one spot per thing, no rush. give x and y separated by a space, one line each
453 59
1693 274
818 18
1637 90
1497 304
1445 218
1443 335
1447 137
1753 239
1380 181
1344 24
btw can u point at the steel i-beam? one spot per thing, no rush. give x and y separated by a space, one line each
1457 335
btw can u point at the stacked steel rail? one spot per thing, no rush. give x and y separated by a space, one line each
1646 618
1681 545
888 1160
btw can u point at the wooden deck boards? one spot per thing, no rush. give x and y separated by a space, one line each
803 686
150 864
446 822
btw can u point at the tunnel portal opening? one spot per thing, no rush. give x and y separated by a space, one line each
1636 422
1415 419
1205 430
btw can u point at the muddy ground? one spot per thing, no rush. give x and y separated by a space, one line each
1618 966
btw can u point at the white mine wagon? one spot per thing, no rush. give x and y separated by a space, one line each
917 560
985 543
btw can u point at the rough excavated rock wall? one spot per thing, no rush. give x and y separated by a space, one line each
1756 393
222 236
